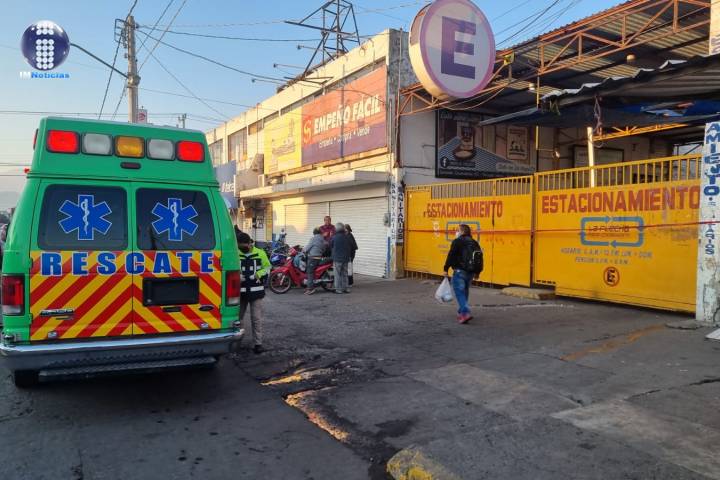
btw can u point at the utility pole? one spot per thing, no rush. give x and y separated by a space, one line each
133 79
181 120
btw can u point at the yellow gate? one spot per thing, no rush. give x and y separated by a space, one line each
499 212
625 232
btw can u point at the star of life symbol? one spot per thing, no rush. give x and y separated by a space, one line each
86 217
174 219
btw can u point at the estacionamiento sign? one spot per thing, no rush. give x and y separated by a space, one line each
452 49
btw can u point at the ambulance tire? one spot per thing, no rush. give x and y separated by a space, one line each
280 282
25 378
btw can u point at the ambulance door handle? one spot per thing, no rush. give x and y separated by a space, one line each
173 309
206 308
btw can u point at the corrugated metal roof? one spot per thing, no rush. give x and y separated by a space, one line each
696 76
663 42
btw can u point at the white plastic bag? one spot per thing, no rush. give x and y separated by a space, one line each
444 293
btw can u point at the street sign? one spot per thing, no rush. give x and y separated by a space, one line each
142 115
452 49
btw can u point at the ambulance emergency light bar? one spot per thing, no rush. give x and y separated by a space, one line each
63 141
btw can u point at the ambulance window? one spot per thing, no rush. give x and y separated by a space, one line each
174 220
78 217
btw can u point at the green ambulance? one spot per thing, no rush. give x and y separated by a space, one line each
121 255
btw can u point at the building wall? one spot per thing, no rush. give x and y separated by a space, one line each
418 138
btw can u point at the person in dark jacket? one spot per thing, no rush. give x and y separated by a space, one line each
460 250
314 252
341 250
353 250
254 266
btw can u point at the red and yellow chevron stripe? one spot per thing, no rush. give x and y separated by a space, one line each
102 304
112 305
154 320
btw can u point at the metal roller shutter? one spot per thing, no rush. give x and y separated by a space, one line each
366 219
301 219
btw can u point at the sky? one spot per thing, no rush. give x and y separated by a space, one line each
225 93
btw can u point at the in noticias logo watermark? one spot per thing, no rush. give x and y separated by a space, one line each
45 45
31 75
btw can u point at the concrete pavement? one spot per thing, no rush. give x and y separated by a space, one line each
529 389
384 380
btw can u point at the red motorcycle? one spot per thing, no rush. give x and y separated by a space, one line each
293 274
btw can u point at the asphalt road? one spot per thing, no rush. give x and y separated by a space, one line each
528 390
217 424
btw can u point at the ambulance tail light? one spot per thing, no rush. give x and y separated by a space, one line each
13 294
232 288
62 141
190 151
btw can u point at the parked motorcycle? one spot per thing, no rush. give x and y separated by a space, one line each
293 274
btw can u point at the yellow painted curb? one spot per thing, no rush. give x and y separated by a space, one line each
529 293
411 464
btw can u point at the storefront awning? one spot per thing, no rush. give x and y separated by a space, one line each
677 92
325 182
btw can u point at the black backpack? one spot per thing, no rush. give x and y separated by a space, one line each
472 257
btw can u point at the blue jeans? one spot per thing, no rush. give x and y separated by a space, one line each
461 286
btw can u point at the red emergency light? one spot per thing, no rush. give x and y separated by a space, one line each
62 141
190 151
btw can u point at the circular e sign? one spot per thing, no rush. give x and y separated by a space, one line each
611 276
452 49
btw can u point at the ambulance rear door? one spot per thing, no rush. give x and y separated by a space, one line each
79 287
177 281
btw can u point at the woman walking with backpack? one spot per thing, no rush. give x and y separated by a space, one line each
465 258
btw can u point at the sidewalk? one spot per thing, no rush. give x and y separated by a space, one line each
529 389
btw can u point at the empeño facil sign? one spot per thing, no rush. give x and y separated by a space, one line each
452 49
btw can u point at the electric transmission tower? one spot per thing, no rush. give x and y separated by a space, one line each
331 19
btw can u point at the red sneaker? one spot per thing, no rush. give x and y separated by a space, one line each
464 318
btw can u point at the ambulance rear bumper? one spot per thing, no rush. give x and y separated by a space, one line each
49 356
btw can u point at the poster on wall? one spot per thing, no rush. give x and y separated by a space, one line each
460 153
603 156
225 175
517 144
282 142
346 121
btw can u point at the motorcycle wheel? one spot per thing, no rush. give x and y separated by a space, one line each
280 283
327 280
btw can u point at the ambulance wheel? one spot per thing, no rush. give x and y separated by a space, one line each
25 378
280 282
327 281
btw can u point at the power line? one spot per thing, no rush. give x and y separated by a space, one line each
112 70
535 18
245 39
197 55
224 116
162 35
167 7
275 22
223 102
88 114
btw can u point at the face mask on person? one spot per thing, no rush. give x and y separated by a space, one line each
245 248
458 234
